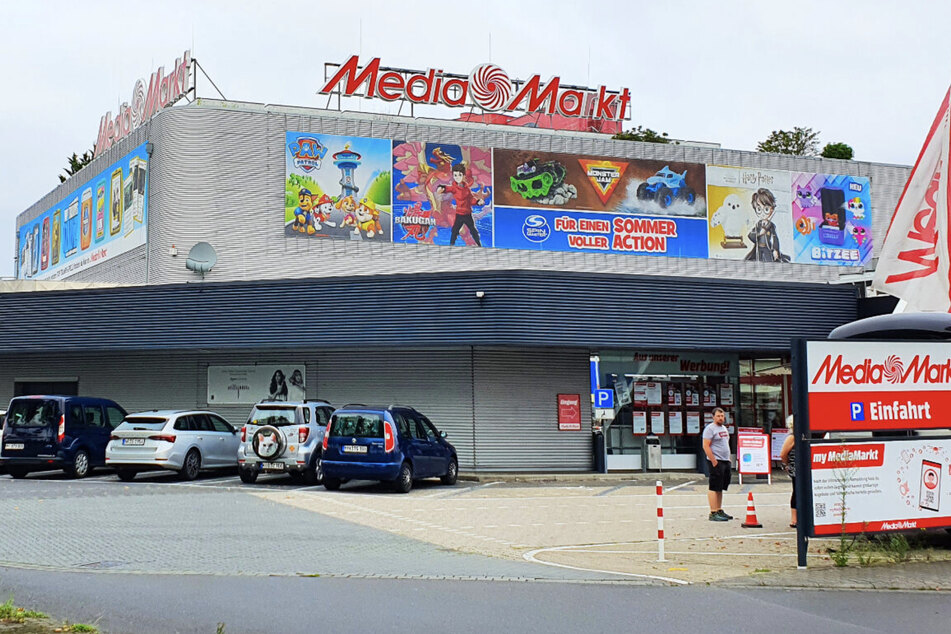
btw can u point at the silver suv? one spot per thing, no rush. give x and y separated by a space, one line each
284 437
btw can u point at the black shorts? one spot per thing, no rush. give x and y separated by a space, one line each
720 475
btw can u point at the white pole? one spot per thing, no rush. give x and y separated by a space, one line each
660 521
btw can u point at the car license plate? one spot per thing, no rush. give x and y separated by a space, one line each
272 466
12 446
133 441
354 448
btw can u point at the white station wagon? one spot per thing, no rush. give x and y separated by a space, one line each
182 441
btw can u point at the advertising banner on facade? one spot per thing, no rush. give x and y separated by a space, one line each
248 384
545 180
881 486
864 385
106 217
832 219
750 214
442 194
337 187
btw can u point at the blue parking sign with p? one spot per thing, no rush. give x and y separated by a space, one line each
858 411
604 399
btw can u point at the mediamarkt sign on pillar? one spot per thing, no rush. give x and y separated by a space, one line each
487 87
164 90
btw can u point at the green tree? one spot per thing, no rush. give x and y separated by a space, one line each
838 151
798 141
641 133
76 163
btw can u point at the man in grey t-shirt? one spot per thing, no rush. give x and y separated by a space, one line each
716 445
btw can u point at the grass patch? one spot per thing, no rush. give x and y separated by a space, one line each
79 627
10 613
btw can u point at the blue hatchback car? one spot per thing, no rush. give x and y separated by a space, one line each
57 432
391 444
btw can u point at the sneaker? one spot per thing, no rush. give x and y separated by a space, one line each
716 517
723 514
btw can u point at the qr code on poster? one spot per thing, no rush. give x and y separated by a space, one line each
820 509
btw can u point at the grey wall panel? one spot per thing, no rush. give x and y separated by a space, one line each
217 175
517 413
437 382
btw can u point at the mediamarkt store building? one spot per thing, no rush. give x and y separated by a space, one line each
673 276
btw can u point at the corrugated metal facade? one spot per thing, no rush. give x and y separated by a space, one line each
497 407
528 309
217 175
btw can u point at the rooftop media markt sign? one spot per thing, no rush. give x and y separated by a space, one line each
487 87
164 90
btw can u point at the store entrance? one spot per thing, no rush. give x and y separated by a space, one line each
664 399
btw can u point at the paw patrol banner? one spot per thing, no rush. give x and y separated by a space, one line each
832 219
442 194
104 218
337 187
750 214
563 181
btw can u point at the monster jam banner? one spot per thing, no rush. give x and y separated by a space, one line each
562 181
337 187
880 486
750 214
104 218
248 384
442 194
831 219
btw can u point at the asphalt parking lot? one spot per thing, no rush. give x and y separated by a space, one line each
554 530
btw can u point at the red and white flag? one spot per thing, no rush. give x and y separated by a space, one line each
915 261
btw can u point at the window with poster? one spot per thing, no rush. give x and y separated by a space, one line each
765 392
670 395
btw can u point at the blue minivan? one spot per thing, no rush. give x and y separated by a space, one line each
391 444
41 433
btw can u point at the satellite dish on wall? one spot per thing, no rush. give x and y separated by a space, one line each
201 258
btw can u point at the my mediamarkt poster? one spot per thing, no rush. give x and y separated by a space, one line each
887 486
861 385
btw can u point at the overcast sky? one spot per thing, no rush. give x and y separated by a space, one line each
868 73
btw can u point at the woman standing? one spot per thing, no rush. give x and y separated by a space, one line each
788 457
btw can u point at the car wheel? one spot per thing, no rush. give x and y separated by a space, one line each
191 466
404 481
332 484
126 475
452 474
314 474
17 473
689 196
248 476
642 193
80 467
664 197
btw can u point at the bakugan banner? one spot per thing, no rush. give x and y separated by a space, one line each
545 180
442 194
337 187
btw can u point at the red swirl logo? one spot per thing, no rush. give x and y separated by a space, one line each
490 87
893 369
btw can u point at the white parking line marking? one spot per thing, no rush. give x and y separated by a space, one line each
530 556
680 486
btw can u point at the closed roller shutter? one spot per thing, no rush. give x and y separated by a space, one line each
438 383
516 411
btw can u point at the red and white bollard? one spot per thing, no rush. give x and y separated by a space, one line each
660 521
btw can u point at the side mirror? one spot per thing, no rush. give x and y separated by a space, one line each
442 434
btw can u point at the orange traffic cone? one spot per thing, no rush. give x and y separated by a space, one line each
751 521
